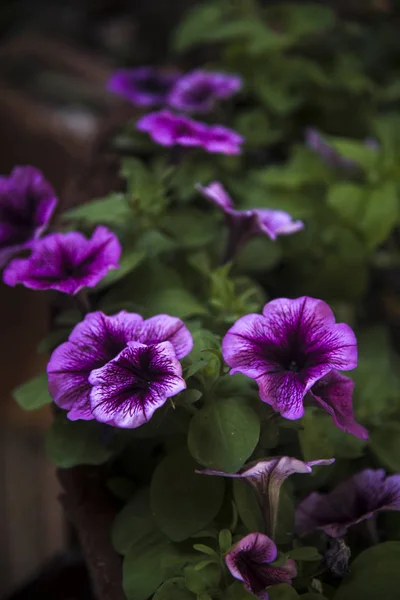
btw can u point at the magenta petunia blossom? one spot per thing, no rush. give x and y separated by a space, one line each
357 498
95 341
266 477
198 91
246 224
333 393
66 262
143 86
288 348
27 203
249 561
128 389
169 129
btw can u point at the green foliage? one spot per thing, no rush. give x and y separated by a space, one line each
33 394
71 443
374 573
283 591
134 523
113 210
223 434
182 501
385 445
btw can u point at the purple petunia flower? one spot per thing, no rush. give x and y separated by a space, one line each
333 393
358 498
143 86
198 91
95 341
169 129
249 561
288 348
128 389
27 203
245 224
266 477
66 262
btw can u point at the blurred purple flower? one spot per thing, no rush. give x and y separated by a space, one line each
266 477
129 388
245 224
169 129
317 143
357 498
27 203
95 341
66 262
143 86
288 348
249 559
333 393
198 91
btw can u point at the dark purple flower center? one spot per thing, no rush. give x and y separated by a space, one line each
21 219
253 573
183 130
153 84
200 93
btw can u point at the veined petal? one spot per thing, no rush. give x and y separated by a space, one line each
163 328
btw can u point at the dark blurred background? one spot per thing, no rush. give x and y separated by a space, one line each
54 61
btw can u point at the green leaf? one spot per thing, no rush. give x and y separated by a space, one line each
384 443
205 550
303 19
237 591
133 523
143 572
357 151
312 596
223 434
256 128
197 25
121 487
129 261
145 190
348 201
33 394
283 591
203 580
112 210
381 214
174 589
191 227
153 243
182 501
71 443
225 540
303 168
306 553
260 254
374 574
247 505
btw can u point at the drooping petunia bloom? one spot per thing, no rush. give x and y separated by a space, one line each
128 389
333 393
198 91
143 86
266 477
245 224
27 203
66 262
288 348
169 129
357 498
95 341
249 561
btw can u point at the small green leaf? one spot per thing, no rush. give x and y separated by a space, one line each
225 540
33 394
223 434
196 26
373 574
357 151
283 591
247 505
205 550
237 591
111 210
133 523
71 443
384 443
306 553
182 501
191 227
203 580
174 589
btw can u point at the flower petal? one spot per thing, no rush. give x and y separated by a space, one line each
284 392
333 393
276 222
215 192
163 328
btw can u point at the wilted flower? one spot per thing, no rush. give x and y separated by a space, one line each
245 224
143 86
337 557
266 477
288 348
95 341
357 498
27 203
169 129
128 389
198 91
249 560
66 262
333 393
